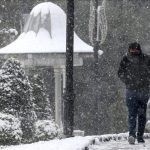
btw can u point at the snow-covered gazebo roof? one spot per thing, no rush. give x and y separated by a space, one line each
45 32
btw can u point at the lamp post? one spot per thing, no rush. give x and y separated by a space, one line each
96 41
96 48
97 29
69 93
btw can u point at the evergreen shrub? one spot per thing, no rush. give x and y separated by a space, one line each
46 130
10 129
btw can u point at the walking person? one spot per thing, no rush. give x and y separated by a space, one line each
134 72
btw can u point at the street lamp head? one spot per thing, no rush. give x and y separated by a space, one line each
100 53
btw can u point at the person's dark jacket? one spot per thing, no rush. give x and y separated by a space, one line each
134 71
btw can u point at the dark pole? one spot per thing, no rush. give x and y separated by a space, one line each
96 43
96 48
69 95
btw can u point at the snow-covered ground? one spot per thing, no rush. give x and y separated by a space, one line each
120 145
104 142
118 142
74 143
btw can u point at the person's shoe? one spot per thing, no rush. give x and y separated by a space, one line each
131 140
140 140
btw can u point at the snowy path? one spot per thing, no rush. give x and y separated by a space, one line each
120 145
74 143
102 142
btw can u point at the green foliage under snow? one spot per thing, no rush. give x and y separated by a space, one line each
10 129
46 130
24 100
16 95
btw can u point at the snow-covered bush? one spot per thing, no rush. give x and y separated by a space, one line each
16 95
46 130
10 129
15 89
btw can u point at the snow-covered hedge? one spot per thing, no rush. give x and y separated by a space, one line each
10 130
46 130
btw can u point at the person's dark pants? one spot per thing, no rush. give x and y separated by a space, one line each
137 104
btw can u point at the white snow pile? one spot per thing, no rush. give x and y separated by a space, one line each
45 130
10 129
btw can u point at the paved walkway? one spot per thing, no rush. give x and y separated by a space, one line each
120 145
